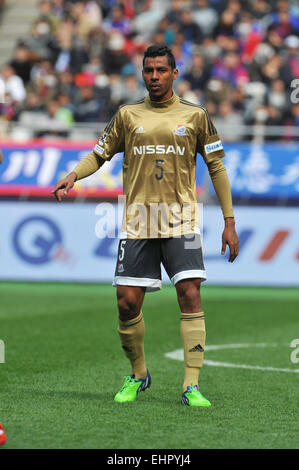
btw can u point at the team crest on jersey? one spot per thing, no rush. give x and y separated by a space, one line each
120 268
180 130
140 130
101 140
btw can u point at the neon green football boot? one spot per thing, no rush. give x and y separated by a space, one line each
193 397
132 387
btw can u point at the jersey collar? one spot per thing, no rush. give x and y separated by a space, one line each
162 105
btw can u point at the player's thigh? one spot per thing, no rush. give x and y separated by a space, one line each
138 264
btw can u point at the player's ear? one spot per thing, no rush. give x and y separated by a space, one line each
175 74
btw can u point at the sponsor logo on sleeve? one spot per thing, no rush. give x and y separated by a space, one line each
99 149
213 147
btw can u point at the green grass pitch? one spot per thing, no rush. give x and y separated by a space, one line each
63 365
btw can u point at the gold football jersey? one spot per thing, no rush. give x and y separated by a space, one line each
160 141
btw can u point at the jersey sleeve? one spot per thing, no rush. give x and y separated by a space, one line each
112 140
209 144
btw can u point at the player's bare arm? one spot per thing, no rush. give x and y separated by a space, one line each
230 238
222 188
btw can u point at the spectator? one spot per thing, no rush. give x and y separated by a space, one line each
22 63
83 20
87 105
189 28
259 9
72 53
14 86
276 96
132 91
2 6
43 81
53 122
167 30
210 49
85 57
205 16
291 55
66 85
41 42
227 120
118 23
226 25
295 114
114 57
275 69
199 73
231 70
217 90
284 20
47 13
183 89
174 14
32 103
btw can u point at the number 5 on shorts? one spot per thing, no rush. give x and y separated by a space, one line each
122 250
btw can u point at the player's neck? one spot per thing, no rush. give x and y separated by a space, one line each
163 103
162 99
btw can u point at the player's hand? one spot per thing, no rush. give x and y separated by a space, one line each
63 186
230 238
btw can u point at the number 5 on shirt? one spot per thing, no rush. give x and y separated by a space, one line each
160 168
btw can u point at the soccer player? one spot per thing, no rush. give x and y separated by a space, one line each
160 137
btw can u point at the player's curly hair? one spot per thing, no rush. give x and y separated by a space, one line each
160 50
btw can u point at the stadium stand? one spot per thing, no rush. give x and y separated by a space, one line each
75 62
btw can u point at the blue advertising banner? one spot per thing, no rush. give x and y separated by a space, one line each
45 241
264 170
32 169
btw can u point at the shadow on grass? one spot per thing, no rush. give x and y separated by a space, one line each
148 397
58 394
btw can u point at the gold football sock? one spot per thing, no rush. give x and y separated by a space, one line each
193 334
131 335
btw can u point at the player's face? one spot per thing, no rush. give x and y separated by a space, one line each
158 77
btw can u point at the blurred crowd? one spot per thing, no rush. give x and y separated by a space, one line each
83 58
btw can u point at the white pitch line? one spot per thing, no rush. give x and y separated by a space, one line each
216 347
178 355
246 366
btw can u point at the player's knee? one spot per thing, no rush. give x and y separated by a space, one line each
128 304
189 295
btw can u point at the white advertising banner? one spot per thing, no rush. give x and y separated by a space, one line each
45 241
